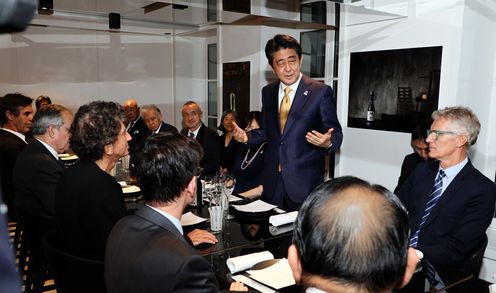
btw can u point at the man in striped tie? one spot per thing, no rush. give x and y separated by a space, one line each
450 202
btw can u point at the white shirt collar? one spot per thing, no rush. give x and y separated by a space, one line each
49 148
158 129
195 132
18 134
173 219
292 93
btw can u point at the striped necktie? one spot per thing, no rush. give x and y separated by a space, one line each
432 200
284 109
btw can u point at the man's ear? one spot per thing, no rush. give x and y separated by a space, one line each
191 189
411 266
108 149
294 262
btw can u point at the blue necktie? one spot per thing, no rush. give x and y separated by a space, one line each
432 200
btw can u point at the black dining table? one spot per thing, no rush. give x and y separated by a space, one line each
245 233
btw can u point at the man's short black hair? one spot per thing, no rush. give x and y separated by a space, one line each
353 233
165 165
12 103
95 125
279 42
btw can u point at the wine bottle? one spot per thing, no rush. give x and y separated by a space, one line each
371 108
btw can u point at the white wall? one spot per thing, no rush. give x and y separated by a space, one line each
74 67
377 155
190 72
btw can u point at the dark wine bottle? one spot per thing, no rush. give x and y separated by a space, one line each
371 108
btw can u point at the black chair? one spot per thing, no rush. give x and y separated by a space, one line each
33 228
72 274
457 281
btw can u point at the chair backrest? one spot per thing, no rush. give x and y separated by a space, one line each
475 256
72 274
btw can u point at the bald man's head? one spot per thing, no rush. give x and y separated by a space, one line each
132 110
353 235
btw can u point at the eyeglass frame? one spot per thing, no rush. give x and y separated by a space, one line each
437 133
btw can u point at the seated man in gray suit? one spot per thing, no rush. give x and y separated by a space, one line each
351 236
147 251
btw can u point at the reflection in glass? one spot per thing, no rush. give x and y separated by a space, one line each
313 46
212 61
212 98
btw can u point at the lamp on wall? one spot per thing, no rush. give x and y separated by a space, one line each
45 7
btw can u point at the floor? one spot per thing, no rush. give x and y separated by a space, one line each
48 283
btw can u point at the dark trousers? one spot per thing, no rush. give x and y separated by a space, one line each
280 196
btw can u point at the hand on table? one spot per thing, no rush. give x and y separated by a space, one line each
199 236
238 286
322 140
239 134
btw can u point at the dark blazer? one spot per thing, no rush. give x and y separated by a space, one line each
210 143
88 203
302 164
228 152
458 221
409 163
36 174
164 127
138 133
10 147
146 253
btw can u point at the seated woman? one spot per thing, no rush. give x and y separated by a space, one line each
249 163
230 146
88 200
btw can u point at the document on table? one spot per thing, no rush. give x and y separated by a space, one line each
254 284
277 276
255 207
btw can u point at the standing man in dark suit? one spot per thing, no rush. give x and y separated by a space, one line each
450 203
135 125
16 114
300 124
208 138
153 119
38 168
148 252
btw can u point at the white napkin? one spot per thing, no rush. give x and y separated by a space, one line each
244 262
277 276
274 231
283 219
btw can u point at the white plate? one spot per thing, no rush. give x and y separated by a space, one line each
189 219
130 189
67 157
257 206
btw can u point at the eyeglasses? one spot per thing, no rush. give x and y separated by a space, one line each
437 133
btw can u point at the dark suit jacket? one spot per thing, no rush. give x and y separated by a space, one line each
164 127
138 133
409 163
88 203
302 164
10 147
210 143
458 221
146 253
36 174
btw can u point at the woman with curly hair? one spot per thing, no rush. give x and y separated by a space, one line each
89 201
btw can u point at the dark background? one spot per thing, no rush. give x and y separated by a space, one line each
415 70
